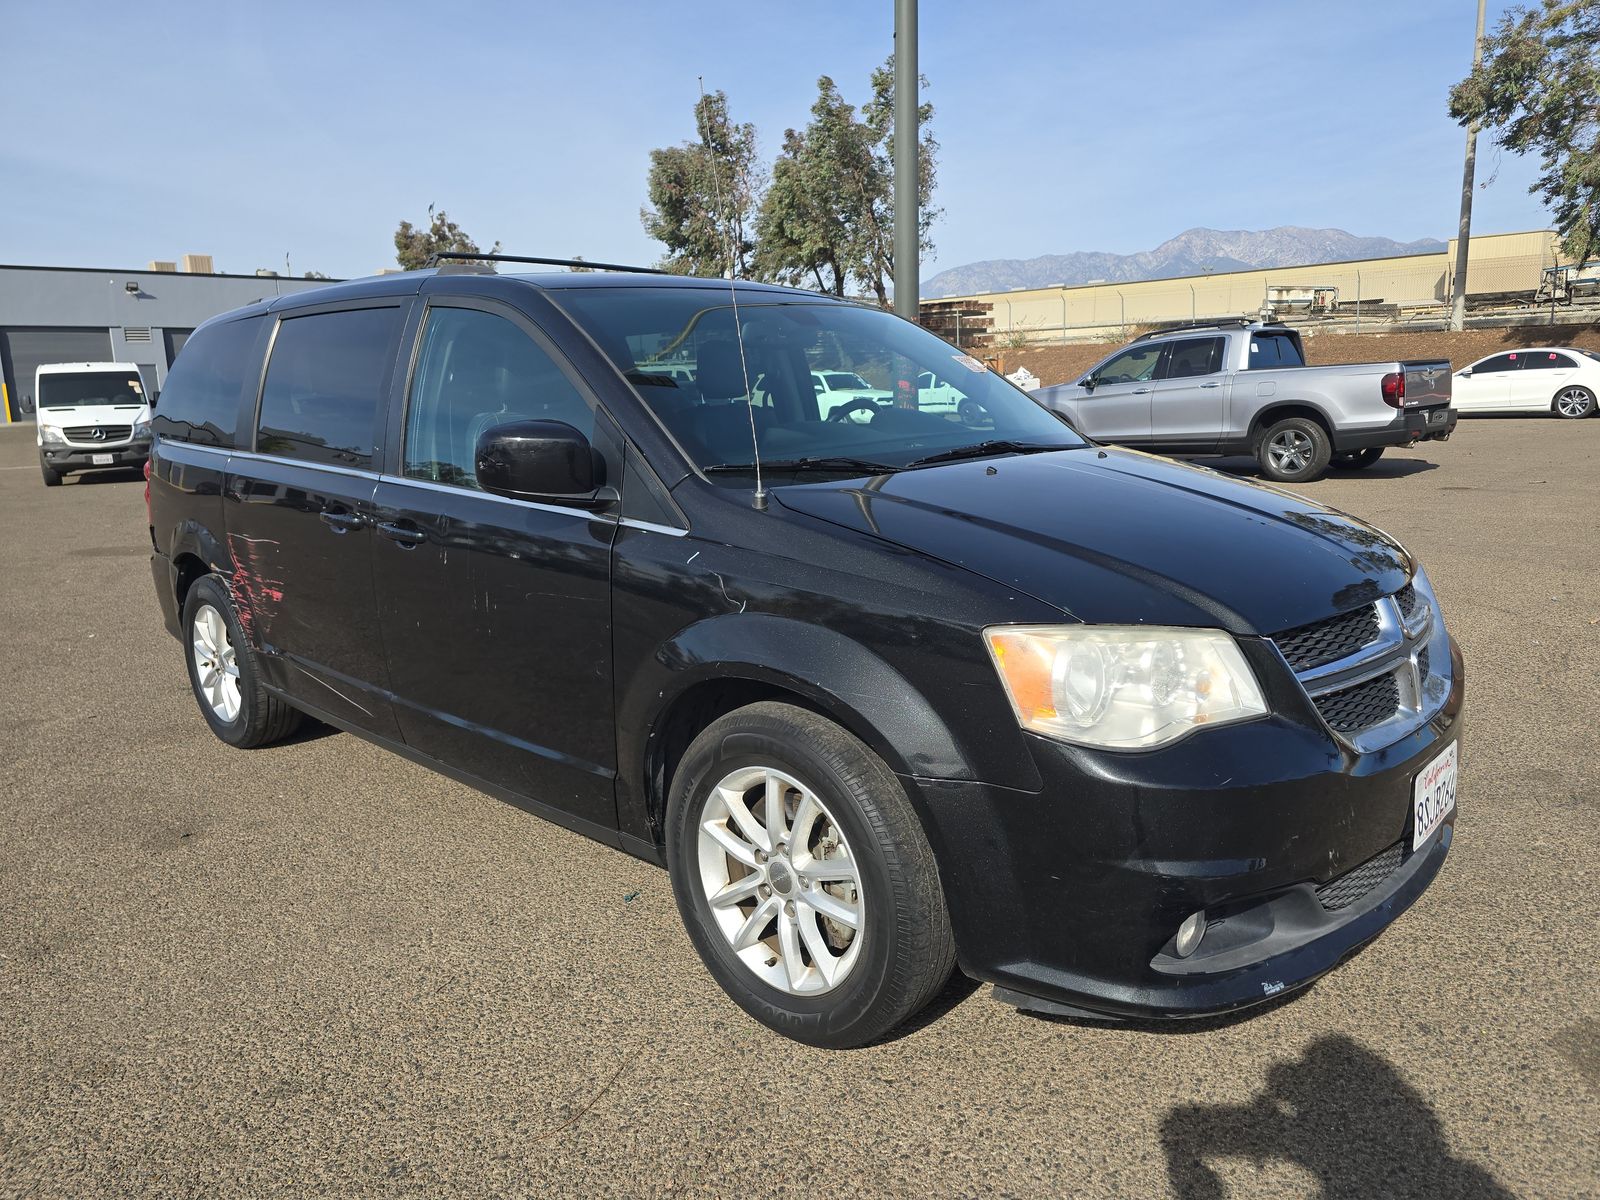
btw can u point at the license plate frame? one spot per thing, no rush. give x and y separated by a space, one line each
102 460
1433 795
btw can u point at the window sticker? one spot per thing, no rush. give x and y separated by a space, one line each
970 363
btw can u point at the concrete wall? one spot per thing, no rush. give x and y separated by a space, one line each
56 298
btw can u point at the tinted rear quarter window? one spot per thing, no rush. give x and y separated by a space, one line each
325 382
201 400
1194 356
1547 360
1274 350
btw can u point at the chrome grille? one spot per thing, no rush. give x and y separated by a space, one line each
1368 671
1328 641
1354 884
1361 706
85 433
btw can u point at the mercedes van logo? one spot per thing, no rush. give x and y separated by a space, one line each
99 434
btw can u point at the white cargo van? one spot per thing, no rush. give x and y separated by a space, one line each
91 416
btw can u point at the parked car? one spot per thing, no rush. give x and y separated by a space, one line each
1124 737
847 393
91 416
1542 379
1242 387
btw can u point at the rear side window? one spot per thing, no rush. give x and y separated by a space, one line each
1274 350
476 370
201 400
1546 360
1194 356
325 383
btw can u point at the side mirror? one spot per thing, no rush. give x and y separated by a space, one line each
1087 383
27 404
1465 373
154 396
539 460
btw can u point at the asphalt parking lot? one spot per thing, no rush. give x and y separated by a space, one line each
320 969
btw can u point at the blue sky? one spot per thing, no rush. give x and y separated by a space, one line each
140 131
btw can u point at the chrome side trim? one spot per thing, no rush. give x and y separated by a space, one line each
428 485
652 527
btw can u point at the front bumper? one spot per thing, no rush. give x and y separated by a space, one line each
1068 899
1422 424
78 458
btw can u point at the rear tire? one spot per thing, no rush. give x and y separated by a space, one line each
1357 460
52 477
829 924
1294 450
224 673
1573 403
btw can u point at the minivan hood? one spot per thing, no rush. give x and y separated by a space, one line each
1119 537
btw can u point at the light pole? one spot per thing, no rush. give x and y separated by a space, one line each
1458 298
907 286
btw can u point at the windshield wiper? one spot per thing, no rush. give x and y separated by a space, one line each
983 450
833 463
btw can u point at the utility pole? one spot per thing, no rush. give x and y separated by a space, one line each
907 248
1458 299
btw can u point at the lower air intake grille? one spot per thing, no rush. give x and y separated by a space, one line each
1352 885
1365 704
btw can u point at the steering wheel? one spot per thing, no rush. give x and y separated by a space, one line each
859 404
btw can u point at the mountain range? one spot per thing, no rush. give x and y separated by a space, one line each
1193 252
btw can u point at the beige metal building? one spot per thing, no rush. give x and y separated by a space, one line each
1380 289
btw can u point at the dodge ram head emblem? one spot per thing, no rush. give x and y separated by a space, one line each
1429 375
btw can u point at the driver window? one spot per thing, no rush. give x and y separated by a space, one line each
476 370
1134 365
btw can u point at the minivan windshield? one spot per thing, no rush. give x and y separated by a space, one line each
884 421
75 388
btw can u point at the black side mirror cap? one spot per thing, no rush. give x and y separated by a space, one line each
548 461
27 404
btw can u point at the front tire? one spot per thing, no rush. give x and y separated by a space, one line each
1573 403
804 878
224 674
1294 450
1358 460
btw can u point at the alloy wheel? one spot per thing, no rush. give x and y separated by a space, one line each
216 667
1290 451
1573 402
781 881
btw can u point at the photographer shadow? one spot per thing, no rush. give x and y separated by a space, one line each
1342 1114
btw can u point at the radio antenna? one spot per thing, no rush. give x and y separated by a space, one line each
733 292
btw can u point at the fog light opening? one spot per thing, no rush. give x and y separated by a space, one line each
1189 934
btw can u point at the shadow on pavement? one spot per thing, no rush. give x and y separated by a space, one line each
1341 1113
1384 468
107 475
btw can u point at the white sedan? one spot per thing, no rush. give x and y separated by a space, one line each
1556 379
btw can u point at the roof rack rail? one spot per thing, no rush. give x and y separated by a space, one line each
1220 323
471 259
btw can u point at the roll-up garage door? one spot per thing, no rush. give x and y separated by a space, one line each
23 350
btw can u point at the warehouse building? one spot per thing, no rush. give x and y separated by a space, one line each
85 314
1503 269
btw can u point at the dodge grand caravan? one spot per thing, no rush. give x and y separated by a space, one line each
884 691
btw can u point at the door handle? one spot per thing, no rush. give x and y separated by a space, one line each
404 532
1140 391
341 522
1213 383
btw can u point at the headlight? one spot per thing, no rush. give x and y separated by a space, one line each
51 436
1122 687
141 427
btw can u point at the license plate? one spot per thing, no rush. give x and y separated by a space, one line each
1433 796
102 460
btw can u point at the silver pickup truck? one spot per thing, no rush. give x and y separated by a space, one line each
1242 387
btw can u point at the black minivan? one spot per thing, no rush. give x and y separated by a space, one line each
917 679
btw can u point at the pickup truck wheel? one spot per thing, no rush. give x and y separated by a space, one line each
1294 450
224 674
52 477
1356 460
804 878
1571 403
